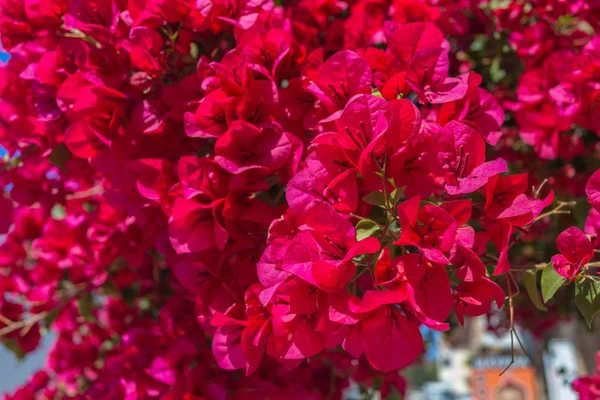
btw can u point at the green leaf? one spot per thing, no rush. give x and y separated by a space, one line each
479 43
587 299
585 26
13 346
60 155
396 196
89 207
496 4
85 304
144 304
58 211
496 72
376 198
366 228
530 283
376 93
194 51
51 317
551 281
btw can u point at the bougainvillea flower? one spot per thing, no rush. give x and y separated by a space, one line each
478 108
427 76
241 338
392 276
431 229
269 269
575 251
315 184
295 336
146 46
404 40
358 124
429 290
96 111
478 177
500 233
342 76
506 200
505 196
473 298
459 158
194 226
211 119
389 340
458 150
322 255
592 189
247 148
408 168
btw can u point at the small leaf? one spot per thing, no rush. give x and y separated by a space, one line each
366 228
60 155
497 4
585 26
194 51
376 198
587 299
13 346
144 304
89 207
58 211
86 305
530 282
51 317
551 282
479 43
396 196
496 72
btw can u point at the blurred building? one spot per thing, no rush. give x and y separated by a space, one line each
469 363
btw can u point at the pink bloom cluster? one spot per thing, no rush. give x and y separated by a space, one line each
558 90
194 188
588 388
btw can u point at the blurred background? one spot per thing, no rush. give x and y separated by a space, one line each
468 364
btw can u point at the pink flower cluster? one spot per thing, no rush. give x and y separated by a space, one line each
194 188
588 387
558 90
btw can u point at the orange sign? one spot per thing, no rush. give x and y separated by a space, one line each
517 383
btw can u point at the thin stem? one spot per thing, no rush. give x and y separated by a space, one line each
513 332
593 264
24 324
357 217
5 320
86 193
557 210
536 193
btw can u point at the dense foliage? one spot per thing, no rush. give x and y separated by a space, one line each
260 198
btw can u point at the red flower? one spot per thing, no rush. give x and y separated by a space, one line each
575 249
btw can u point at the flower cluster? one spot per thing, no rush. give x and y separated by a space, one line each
588 387
192 188
559 87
